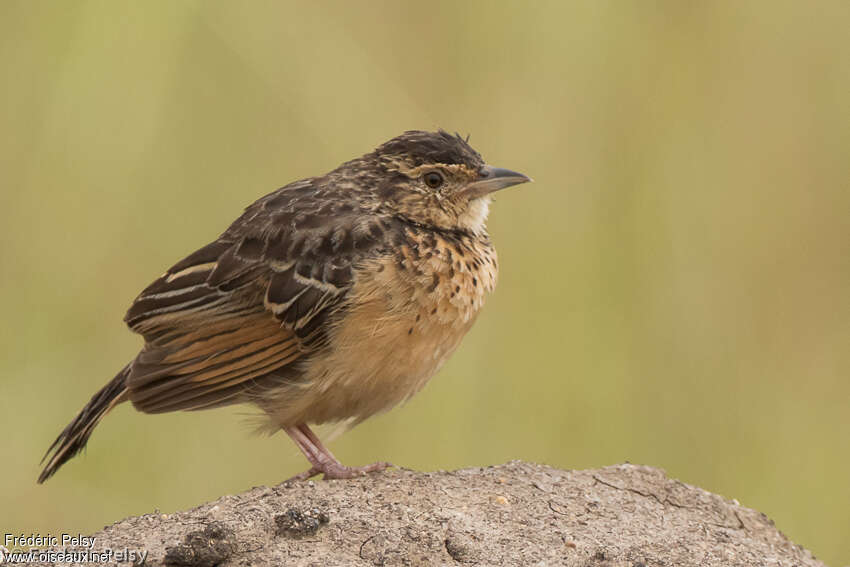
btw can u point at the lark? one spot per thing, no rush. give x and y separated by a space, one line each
329 300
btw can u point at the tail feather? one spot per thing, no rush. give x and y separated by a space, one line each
74 437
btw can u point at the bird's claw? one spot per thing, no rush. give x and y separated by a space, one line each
336 471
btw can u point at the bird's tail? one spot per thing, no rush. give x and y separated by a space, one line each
74 437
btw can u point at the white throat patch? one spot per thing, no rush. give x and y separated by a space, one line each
475 216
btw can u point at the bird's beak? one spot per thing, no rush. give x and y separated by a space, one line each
492 179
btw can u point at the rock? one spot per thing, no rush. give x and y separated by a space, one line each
512 514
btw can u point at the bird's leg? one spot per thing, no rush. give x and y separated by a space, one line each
310 451
322 460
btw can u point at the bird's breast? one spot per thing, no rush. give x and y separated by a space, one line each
406 313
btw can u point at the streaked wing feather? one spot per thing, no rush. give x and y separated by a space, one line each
230 316
178 374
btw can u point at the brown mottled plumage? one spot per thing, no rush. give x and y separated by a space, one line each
331 299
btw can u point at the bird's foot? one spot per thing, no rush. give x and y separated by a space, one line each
339 471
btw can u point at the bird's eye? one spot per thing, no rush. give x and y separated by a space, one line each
433 179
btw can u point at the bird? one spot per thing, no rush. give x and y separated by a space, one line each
328 300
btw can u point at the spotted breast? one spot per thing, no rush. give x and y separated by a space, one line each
408 313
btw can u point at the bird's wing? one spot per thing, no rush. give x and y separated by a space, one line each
237 313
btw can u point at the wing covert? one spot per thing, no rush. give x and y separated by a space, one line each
230 316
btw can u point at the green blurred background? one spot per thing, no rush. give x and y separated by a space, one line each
675 285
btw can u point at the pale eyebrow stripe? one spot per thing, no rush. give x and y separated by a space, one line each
191 270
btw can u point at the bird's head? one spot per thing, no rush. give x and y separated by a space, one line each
436 179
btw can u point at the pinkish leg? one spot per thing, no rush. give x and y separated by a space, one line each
322 460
